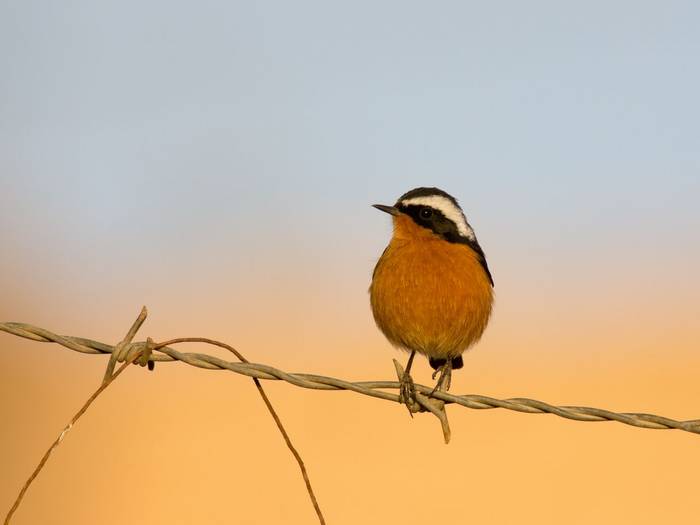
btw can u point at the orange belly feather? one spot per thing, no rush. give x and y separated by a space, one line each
429 295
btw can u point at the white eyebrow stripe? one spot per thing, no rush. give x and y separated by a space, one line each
448 209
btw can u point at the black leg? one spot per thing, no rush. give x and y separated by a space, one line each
410 362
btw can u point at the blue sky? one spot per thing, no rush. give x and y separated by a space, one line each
561 127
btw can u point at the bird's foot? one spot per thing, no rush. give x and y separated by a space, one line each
445 379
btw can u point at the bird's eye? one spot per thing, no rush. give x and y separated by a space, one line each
426 213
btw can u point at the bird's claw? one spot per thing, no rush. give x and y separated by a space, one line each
445 379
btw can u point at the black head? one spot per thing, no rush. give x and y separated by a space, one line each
438 211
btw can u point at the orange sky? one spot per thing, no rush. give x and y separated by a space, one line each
204 449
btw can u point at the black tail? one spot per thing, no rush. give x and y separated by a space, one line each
457 362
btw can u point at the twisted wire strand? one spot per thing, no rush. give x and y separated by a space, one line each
368 388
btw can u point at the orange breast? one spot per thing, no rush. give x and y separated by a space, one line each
428 294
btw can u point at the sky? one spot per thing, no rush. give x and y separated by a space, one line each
217 162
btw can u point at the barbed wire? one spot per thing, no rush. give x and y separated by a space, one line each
374 389
127 352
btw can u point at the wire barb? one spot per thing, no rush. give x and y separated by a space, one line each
124 350
422 403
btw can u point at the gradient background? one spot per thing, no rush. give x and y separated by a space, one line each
216 163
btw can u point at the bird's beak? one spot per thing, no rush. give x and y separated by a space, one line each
391 210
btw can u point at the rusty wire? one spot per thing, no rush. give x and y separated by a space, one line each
375 389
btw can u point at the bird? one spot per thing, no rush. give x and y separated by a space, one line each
432 290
